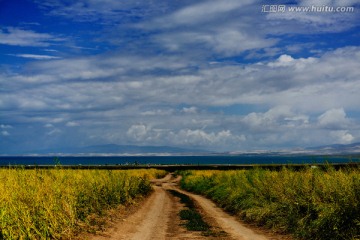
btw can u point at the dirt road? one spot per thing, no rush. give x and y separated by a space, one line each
158 219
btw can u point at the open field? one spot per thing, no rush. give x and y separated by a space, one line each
58 203
311 203
176 167
308 202
174 214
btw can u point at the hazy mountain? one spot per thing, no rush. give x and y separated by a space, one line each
337 148
118 149
114 149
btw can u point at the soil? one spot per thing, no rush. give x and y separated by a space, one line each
157 218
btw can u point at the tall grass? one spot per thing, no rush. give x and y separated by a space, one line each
58 203
310 204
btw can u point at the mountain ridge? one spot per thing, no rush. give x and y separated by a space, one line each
337 148
118 149
115 149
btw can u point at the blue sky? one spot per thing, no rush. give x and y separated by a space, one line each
216 75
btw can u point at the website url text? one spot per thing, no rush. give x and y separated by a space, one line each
322 9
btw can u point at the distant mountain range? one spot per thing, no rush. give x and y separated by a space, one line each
334 149
114 149
353 148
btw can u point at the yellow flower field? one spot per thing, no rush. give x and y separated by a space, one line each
309 203
58 203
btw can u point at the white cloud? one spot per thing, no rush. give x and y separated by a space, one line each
138 132
104 11
280 116
200 137
199 13
190 110
57 120
274 102
327 2
19 37
223 40
288 61
145 133
5 129
298 83
158 112
35 56
224 27
72 124
5 133
334 119
307 22
53 132
231 42
342 136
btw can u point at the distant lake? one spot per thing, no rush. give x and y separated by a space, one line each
212 159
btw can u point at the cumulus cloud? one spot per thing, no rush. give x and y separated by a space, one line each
275 117
138 132
200 137
185 137
242 86
286 88
288 61
342 136
334 119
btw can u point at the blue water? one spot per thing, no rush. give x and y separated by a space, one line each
215 159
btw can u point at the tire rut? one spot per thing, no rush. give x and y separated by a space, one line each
158 219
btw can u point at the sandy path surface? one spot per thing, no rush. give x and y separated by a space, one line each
226 222
158 219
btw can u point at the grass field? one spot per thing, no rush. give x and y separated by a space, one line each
58 203
310 203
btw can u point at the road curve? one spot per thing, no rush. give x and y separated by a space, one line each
158 219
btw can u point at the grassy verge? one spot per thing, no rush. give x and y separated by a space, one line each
194 220
58 203
310 204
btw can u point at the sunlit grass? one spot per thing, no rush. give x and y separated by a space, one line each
311 203
58 203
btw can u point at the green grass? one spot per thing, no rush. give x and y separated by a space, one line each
310 203
194 220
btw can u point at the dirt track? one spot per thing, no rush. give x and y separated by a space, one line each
157 219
